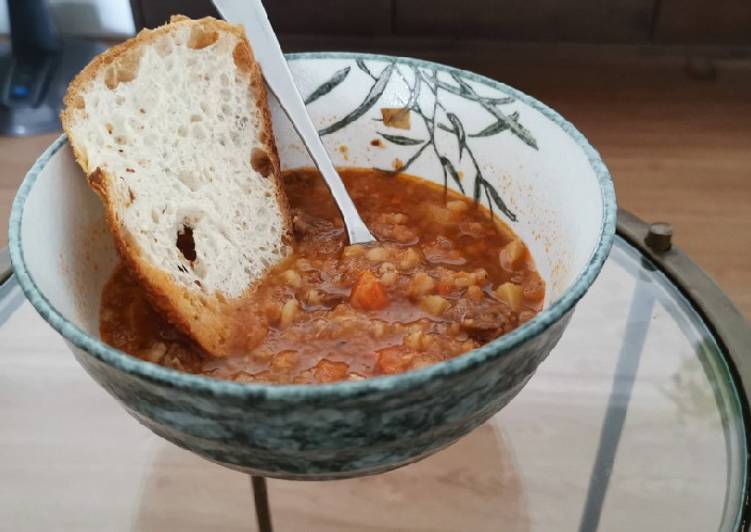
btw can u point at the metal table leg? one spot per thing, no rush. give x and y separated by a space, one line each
261 497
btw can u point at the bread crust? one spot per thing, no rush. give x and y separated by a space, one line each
211 321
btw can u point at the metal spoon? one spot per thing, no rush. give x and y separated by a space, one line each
268 53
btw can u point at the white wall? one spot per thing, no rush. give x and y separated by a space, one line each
100 18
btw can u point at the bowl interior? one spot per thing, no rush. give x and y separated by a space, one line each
482 137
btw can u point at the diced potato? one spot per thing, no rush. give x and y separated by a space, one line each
314 297
435 305
426 341
413 340
457 206
387 267
377 254
262 354
473 229
511 294
439 214
368 293
415 327
463 280
329 371
388 273
512 255
173 362
353 251
292 278
394 218
469 345
377 328
475 293
421 284
409 259
284 361
156 352
400 233
289 312
389 278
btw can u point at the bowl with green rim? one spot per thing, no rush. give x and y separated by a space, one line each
477 136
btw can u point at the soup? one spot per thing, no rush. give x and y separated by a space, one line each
444 278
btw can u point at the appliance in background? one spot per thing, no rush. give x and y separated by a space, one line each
35 69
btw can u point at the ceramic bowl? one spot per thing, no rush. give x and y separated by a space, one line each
480 137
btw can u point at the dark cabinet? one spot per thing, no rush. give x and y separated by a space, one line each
724 22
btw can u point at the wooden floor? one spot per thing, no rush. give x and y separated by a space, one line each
679 147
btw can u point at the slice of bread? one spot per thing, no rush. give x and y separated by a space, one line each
173 131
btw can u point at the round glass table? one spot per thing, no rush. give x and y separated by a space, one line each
638 420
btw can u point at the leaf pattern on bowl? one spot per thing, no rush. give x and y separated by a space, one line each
438 116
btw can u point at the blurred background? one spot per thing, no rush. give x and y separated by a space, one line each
661 87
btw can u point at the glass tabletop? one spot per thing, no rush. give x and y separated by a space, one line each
632 423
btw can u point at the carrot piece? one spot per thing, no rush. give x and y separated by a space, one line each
368 293
329 371
394 359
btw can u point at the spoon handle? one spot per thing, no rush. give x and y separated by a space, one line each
252 15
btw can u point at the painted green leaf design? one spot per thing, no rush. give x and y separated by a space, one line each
490 190
414 92
507 122
461 136
449 167
468 92
482 185
503 100
401 140
502 119
375 92
502 122
478 185
492 129
329 85
517 129
495 127
362 66
415 156
465 88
